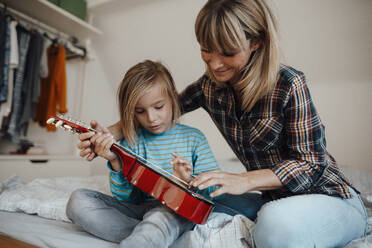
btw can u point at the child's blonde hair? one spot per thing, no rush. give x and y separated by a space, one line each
226 25
137 80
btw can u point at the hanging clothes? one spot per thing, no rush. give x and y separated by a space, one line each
31 83
53 92
5 108
44 59
3 27
18 103
5 62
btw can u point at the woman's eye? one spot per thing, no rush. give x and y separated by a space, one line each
205 51
159 107
139 111
227 54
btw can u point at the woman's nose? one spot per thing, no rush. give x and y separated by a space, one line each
215 61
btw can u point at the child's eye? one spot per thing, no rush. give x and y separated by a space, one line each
205 50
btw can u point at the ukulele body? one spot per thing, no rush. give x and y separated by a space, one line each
180 200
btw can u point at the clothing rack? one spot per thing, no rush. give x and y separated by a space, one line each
74 50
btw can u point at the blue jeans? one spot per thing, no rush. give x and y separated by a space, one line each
313 220
146 225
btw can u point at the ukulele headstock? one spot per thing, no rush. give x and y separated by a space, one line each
69 124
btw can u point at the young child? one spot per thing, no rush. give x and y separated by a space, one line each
148 106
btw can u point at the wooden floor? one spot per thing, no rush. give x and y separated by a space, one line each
8 242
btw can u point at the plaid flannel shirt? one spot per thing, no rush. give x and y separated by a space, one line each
283 132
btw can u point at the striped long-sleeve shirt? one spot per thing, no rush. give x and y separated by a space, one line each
283 132
188 142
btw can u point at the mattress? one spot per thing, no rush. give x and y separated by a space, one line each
35 213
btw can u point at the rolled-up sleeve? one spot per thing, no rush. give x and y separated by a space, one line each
305 140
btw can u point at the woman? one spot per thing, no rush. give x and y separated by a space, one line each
265 112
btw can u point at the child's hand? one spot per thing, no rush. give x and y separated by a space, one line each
181 168
85 145
102 143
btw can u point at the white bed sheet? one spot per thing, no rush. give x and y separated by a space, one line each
44 232
48 198
27 203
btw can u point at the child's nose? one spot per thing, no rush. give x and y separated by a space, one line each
151 116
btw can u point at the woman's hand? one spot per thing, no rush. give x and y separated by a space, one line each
181 167
85 144
231 183
237 184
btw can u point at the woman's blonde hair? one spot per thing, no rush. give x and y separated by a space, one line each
226 25
138 79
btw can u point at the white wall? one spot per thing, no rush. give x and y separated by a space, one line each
329 40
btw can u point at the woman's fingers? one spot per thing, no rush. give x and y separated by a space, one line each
211 182
228 182
220 191
204 177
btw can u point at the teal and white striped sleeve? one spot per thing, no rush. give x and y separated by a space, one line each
119 185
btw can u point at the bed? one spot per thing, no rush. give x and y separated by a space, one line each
34 213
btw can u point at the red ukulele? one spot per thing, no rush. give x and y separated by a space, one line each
171 191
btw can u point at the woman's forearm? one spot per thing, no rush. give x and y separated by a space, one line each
264 179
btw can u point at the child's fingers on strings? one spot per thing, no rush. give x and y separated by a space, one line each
83 145
97 139
97 136
95 125
107 143
91 156
85 152
175 154
179 160
85 136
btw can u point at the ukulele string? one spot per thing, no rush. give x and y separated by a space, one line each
154 166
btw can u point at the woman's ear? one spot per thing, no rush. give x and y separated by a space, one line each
255 44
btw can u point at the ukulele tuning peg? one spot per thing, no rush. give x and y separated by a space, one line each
50 120
67 127
59 123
